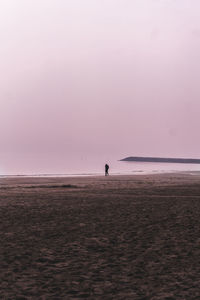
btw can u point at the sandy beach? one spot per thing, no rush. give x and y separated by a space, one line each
116 237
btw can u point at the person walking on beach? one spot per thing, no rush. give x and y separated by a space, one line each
106 169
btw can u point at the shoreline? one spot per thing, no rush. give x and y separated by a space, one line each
134 173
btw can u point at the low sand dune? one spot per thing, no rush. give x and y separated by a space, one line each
128 237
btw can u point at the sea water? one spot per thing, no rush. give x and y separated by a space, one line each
90 166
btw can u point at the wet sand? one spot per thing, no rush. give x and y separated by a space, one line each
117 237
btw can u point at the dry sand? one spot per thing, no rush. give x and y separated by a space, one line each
120 237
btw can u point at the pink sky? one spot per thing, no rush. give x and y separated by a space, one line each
110 77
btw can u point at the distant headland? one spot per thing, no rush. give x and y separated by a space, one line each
162 160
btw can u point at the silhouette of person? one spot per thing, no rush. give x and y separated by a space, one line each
106 169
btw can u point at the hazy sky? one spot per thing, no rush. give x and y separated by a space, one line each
99 77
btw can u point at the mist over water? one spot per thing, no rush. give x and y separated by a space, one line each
71 166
